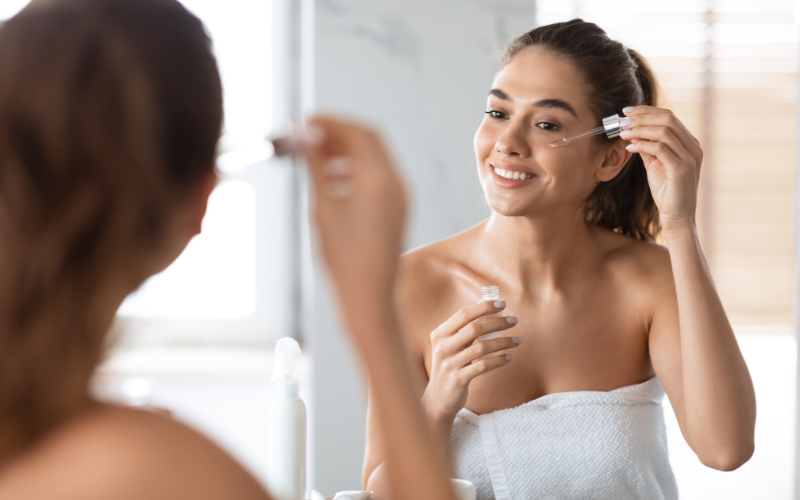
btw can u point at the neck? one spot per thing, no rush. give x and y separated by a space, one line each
542 250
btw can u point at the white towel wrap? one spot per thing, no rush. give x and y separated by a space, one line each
573 445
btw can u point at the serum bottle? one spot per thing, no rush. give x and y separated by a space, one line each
491 293
286 457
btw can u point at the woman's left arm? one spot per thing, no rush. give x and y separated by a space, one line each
695 355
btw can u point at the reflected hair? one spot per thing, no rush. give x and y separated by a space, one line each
110 112
616 77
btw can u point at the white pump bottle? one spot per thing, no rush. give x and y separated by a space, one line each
286 457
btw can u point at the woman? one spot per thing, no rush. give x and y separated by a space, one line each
110 113
596 310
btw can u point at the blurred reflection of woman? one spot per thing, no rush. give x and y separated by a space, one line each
599 315
110 112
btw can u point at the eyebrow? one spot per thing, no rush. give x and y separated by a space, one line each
544 103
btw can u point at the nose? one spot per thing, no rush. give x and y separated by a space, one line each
513 141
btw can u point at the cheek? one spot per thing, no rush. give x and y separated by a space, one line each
484 141
570 171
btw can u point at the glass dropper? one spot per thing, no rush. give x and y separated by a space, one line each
238 161
610 127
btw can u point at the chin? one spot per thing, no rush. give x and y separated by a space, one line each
512 208
510 203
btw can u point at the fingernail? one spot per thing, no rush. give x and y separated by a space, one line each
629 109
512 320
508 357
516 340
625 122
337 166
339 189
630 147
500 304
625 133
314 135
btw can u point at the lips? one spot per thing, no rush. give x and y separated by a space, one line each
511 176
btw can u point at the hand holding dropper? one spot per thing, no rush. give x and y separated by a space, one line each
359 213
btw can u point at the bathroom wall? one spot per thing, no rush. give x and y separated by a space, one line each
419 71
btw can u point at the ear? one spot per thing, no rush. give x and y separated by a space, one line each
198 200
612 161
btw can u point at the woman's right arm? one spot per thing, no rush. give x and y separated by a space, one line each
359 213
455 362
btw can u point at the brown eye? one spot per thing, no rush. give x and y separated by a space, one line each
547 126
495 114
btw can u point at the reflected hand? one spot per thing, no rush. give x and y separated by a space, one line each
360 209
455 356
672 157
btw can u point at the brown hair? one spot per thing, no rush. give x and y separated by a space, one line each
110 110
616 77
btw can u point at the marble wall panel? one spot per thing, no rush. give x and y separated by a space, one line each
420 71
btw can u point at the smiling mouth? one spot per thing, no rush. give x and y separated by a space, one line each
513 174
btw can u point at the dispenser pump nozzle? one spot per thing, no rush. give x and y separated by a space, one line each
287 357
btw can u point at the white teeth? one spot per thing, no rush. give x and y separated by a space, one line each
513 175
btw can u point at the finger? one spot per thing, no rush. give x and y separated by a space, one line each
650 115
343 156
663 135
467 315
475 329
347 138
644 109
657 149
319 153
331 138
484 347
338 137
337 174
482 366
670 121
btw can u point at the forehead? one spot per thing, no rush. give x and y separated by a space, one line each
536 73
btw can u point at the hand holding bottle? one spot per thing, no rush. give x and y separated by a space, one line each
457 358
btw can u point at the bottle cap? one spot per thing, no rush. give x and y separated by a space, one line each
287 357
490 293
352 495
611 124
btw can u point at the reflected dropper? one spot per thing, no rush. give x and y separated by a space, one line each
240 160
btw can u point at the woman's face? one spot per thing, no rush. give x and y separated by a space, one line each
537 98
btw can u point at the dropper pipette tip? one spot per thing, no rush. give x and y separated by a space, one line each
557 144
566 140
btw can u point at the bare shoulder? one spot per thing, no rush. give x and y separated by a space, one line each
122 453
423 272
637 262
426 279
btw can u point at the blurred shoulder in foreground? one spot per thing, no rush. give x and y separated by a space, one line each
121 453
